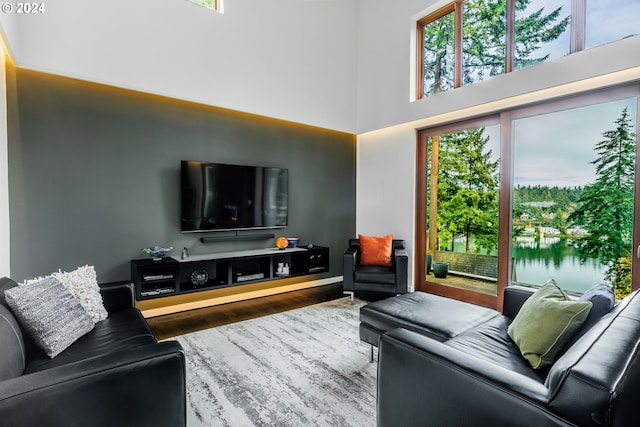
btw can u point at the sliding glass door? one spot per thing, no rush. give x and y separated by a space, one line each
461 207
573 195
542 192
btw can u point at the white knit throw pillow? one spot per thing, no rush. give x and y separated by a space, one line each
83 284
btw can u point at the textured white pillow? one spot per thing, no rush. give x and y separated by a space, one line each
49 313
83 284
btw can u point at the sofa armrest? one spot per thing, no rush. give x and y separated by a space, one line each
402 268
141 386
514 297
349 262
423 381
117 296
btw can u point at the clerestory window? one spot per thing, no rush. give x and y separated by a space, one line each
468 41
211 4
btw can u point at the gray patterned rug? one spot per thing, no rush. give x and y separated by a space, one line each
304 367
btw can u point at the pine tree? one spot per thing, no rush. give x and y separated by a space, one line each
468 190
484 44
605 208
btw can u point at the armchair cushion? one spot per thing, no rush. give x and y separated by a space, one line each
376 250
545 323
375 274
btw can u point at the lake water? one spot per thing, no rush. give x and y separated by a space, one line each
538 259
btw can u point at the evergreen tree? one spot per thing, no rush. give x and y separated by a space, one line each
605 208
468 190
484 44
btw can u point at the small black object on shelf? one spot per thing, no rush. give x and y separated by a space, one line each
262 236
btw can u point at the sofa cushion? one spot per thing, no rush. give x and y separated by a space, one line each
50 313
545 323
602 299
12 353
121 331
375 250
490 341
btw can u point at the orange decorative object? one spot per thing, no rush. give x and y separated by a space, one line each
376 250
282 242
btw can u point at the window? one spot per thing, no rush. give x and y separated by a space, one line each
437 59
211 4
472 40
611 20
462 205
573 195
483 40
541 31
531 194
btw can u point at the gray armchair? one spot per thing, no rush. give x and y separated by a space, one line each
373 278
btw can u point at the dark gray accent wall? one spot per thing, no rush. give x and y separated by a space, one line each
94 174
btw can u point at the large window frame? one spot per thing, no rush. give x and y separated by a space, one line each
505 119
577 29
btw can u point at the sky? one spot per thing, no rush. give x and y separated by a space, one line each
557 148
607 21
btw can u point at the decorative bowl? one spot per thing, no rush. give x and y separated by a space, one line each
157 252
293 241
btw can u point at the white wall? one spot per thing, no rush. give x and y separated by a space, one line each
5 254
286 59
388 118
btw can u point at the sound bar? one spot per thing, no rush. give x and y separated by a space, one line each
237 237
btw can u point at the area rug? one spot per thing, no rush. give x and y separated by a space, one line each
304 367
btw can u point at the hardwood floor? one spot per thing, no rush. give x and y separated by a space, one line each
194 320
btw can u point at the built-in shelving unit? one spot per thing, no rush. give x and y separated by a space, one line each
197 273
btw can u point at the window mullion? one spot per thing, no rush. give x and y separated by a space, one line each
578 24
510 36
457 74
505 206
420 60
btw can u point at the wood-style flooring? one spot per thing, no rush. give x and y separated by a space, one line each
171 325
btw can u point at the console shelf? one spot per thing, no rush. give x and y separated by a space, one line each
173 275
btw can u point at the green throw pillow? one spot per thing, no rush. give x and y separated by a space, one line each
545 323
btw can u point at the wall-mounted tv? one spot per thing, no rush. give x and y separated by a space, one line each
218 196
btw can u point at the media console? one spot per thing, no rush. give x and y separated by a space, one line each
173 275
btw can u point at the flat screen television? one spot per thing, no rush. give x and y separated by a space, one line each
217 196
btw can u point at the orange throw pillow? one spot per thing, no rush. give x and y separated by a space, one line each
375 250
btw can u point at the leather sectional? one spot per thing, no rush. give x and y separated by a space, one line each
445 362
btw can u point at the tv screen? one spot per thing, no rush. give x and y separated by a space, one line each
218 196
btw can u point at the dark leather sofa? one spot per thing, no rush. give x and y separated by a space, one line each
474 375
116 375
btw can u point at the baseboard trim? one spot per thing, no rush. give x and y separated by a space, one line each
209 302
